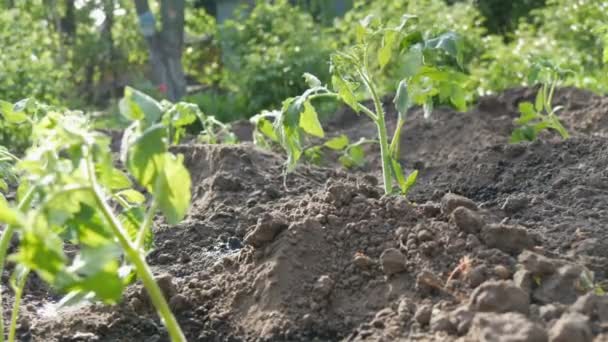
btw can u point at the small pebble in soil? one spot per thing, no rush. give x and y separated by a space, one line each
467 220
500 296
571 327
451 201
502 272
362 261
506 327
165 282
423 314
514 204
392 261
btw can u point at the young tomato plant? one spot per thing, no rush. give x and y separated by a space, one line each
541 115
176 117
71 192
428 74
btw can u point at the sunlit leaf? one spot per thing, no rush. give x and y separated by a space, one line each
144 162
132 196
173 189
338 143
135 105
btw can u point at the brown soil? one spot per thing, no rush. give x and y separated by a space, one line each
329 258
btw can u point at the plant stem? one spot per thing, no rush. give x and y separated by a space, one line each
385 153
395 142
5 240
143 270
16 305
147 224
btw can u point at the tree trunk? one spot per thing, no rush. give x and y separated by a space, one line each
165 46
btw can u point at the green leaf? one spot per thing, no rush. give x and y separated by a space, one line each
143 156
402 99
89 228
292 108
346 92
409 182
173 189
362 28
105 284
136 105
525 133
183 114
267 129
132 196
412 62
9 215
132 219
95 270
527 113
309 121
354 157
314 155
338 143
404 184
3 185
118 180
43 253
312 80
557 125
10 115
386 50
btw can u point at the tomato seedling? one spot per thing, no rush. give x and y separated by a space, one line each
176 117
541 115
429 74
70 192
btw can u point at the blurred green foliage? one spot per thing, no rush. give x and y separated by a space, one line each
256 60
268 49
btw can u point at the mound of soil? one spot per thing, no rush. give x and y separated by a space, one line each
496 242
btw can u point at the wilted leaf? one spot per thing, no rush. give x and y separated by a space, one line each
346 92
402 99
312 80
309 121
386 50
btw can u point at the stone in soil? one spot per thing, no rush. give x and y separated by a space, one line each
505 327
509 239
268 226
392 261
499 296
451 201
571 327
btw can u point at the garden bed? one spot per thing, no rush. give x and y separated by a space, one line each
498 243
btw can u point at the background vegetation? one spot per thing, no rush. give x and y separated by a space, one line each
81 54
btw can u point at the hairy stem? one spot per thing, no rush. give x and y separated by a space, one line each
12 330
5 240
385 153
143 270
